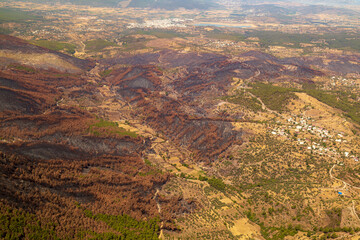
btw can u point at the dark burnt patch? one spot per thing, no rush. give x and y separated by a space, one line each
206 137
10 83
18 102
43 150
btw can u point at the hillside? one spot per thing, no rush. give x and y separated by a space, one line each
53 154
134 136
17 51
141 122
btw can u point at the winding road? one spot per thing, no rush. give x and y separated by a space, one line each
345 183
353 210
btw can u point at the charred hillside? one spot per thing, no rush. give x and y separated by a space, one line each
91 150
59 163
179 103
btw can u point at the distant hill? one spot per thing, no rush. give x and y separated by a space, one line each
281 10
311 2
164 4
173 4
93 3
333 2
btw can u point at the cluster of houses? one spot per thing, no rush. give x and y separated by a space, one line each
341 81
325 144
220 44
161 23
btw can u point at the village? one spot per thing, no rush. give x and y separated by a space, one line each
314 139
161 23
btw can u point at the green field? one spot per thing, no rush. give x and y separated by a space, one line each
16 15
216 34
347 42
22 68
97 45
5 31
161 33
268 38
107 128
56 46
338 40
105 73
